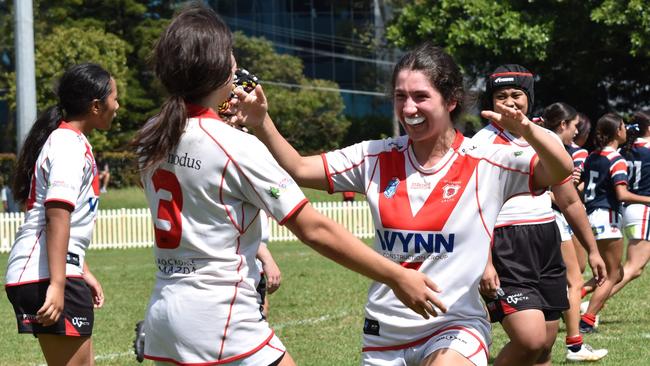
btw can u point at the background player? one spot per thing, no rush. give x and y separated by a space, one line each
423 191
605 187
48 281
204 307
563 119
636 216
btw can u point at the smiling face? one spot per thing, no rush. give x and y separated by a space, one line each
420 108
511 97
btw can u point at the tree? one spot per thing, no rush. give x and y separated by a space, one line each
120 34
311 119
593 56
66 46
135 23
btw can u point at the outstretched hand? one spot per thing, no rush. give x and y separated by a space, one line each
251 107
510 118
417 291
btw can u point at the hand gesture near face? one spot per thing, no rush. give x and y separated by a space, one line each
510 118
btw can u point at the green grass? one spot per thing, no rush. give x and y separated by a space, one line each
318 312
133 197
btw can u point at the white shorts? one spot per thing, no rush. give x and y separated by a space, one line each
266 355
636 218
563 226
606 224
464 340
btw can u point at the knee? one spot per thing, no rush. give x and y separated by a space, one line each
530 345
619 275
635 273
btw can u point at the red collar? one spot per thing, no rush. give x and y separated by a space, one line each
67 126
195 110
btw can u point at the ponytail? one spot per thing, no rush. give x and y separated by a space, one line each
47 122
162 133
606 129
557 113
638 127
192 59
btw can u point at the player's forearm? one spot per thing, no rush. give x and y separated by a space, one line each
569 203
263 254
555 164
334 242
624 195
576 216
307 171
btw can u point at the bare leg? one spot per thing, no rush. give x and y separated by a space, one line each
287 360
446 356
638 255
527 332
612 252
574 279
65 350
581 254
551 332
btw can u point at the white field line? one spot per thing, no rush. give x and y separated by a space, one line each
293 323
320 319
109 356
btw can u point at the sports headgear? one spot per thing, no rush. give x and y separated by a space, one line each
515 76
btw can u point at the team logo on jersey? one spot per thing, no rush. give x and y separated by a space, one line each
391 188
518 153
274 192
395 145
449 190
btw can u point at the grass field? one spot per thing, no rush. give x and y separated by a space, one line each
317 313
133 197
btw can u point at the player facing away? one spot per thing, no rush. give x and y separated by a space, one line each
206 183
562 119
424 190
605 178
636 216
48 281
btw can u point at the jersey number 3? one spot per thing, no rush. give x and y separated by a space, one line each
167 224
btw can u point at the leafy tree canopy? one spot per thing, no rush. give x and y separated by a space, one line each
593 55
120 34
311 119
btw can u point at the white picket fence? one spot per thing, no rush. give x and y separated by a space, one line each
132 228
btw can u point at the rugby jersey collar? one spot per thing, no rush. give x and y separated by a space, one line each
198 111
67 126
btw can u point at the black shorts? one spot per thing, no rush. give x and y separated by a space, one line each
261 287
76 320
529 262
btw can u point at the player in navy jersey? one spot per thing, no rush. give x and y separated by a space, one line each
579 154
605 181
563 119
425 189
205 184
48 281
636 217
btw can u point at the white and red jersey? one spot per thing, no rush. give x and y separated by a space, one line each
65 171
436 220
524 209
205 199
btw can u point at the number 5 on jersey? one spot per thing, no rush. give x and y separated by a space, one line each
168 225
